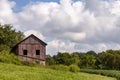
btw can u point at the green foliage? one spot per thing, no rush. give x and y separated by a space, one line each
15 72
49 60
8 36
32 64
74 68
7 57
110 73
91 53
66 58
59 67
80 54
88 61
27 63
71 68
4 47
110 59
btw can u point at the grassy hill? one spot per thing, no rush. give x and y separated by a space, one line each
15 72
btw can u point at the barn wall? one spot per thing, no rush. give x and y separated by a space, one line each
31 45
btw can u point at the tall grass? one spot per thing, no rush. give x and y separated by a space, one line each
110 73
17 72
7 57
71 68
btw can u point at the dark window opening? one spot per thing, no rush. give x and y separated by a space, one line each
24 52
37 52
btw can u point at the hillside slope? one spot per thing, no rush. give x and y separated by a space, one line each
15 72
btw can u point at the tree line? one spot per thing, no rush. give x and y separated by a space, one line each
109 59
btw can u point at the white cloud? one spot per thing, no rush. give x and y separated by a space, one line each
75 36
6 13
115 8
55 46
38 34
102 46
80 25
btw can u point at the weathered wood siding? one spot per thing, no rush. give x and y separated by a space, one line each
31 45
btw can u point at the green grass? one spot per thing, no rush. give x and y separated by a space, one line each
110 73
15 72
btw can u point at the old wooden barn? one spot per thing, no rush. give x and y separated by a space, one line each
31 49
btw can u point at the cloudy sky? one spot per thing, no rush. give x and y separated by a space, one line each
66 25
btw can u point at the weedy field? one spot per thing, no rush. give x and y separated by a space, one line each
110 73
18 72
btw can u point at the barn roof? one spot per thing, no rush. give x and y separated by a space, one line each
34 37
29 37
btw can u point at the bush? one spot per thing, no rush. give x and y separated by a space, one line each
59 67
32 63
74 68
4 47
7 57
71 68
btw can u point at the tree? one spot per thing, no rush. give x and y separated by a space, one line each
4 47
91 53
9 37
110 59
88 61
66 58
80 54
49 60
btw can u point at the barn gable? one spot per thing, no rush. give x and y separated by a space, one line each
32 39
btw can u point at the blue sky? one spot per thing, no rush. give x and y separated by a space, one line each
22 3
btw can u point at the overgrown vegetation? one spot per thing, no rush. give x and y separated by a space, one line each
15 72
110 73
74 68
59 67
7 57
71 68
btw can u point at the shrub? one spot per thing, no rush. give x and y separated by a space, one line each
7 57
4 47
31 63
74 68
60 67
